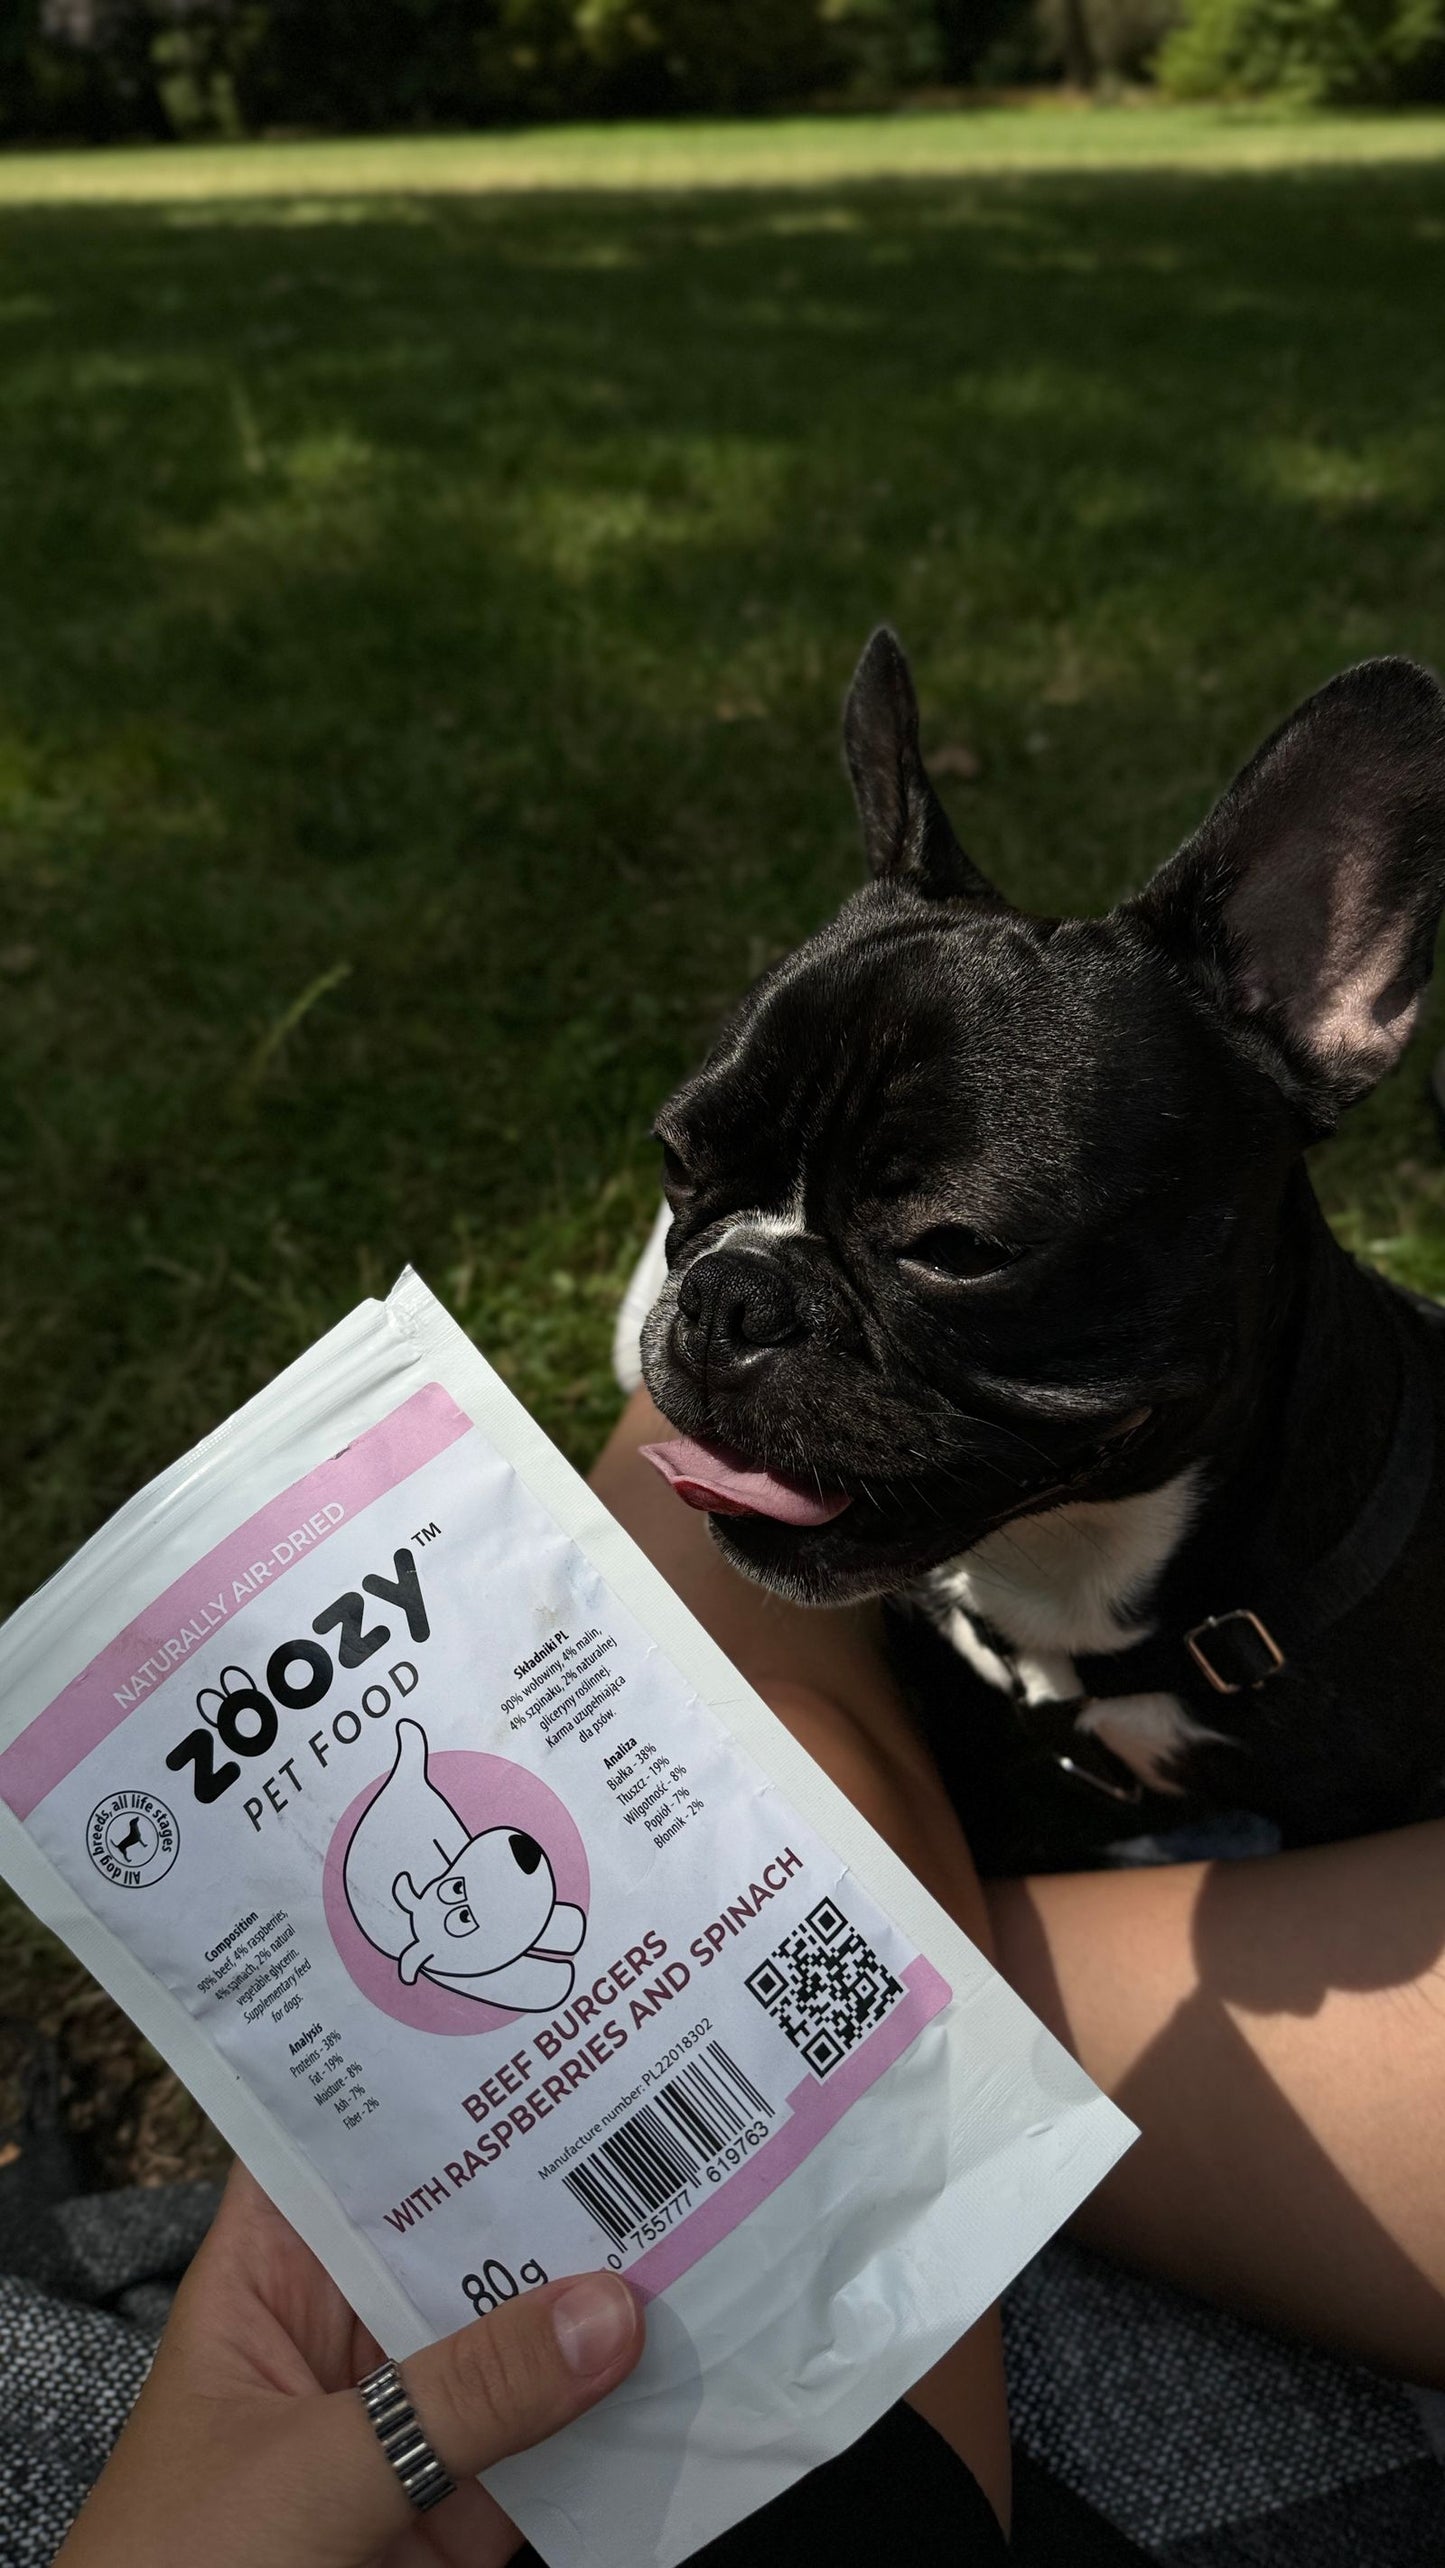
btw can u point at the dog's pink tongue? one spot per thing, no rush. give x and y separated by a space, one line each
709 1476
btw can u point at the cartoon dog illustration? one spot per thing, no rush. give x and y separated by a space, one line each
476 1914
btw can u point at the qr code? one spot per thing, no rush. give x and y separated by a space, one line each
825 1987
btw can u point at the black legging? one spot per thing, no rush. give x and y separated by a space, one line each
900 2493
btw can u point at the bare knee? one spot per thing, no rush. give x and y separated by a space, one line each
889 1777
846 1748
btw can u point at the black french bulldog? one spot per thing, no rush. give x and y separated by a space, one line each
998 1288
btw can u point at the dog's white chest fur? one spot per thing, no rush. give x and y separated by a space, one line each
1069 1581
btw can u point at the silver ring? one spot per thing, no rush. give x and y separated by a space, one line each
424 2481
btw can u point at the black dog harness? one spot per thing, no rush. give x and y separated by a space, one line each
1243 1647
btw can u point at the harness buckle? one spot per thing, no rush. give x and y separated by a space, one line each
1248 1636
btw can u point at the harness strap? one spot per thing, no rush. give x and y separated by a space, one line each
1243 1647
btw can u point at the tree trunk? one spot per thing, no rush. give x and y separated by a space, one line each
1080 67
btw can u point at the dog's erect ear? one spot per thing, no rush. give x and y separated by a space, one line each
1309 899
906 831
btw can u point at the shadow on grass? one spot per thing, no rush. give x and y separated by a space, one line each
461 591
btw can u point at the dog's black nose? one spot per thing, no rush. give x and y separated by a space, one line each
733 1307
526 1853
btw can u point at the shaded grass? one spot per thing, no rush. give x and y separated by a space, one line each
423 624
67 2053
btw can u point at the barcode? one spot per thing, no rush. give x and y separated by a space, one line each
825 1987
667 2143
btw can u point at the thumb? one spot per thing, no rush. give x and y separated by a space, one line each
534 2364
492 2389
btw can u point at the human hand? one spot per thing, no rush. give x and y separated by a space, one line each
248 2447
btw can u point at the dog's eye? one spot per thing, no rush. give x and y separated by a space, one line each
676 1175
460 1921
954 1251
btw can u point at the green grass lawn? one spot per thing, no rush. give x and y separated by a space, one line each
425 610
424 618
803 151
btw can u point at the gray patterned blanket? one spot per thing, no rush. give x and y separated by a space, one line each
1210 2443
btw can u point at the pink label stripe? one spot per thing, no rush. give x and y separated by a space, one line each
816 2105
159 1642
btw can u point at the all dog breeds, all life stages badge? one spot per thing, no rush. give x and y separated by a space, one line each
132 1838
519 1952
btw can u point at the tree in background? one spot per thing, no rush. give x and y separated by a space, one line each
970 31
79 66
727 57
1076 43
352 65
541 58
1321 52
104 67
1093 41
884 46
100 70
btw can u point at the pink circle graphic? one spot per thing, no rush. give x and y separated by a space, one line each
485 1792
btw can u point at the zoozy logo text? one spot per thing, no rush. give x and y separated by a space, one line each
244 1718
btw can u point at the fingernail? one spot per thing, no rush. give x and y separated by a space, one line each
595 2322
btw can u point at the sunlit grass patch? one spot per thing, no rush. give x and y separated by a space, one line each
1051 133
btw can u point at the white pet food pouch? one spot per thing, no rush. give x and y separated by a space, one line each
503 1932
